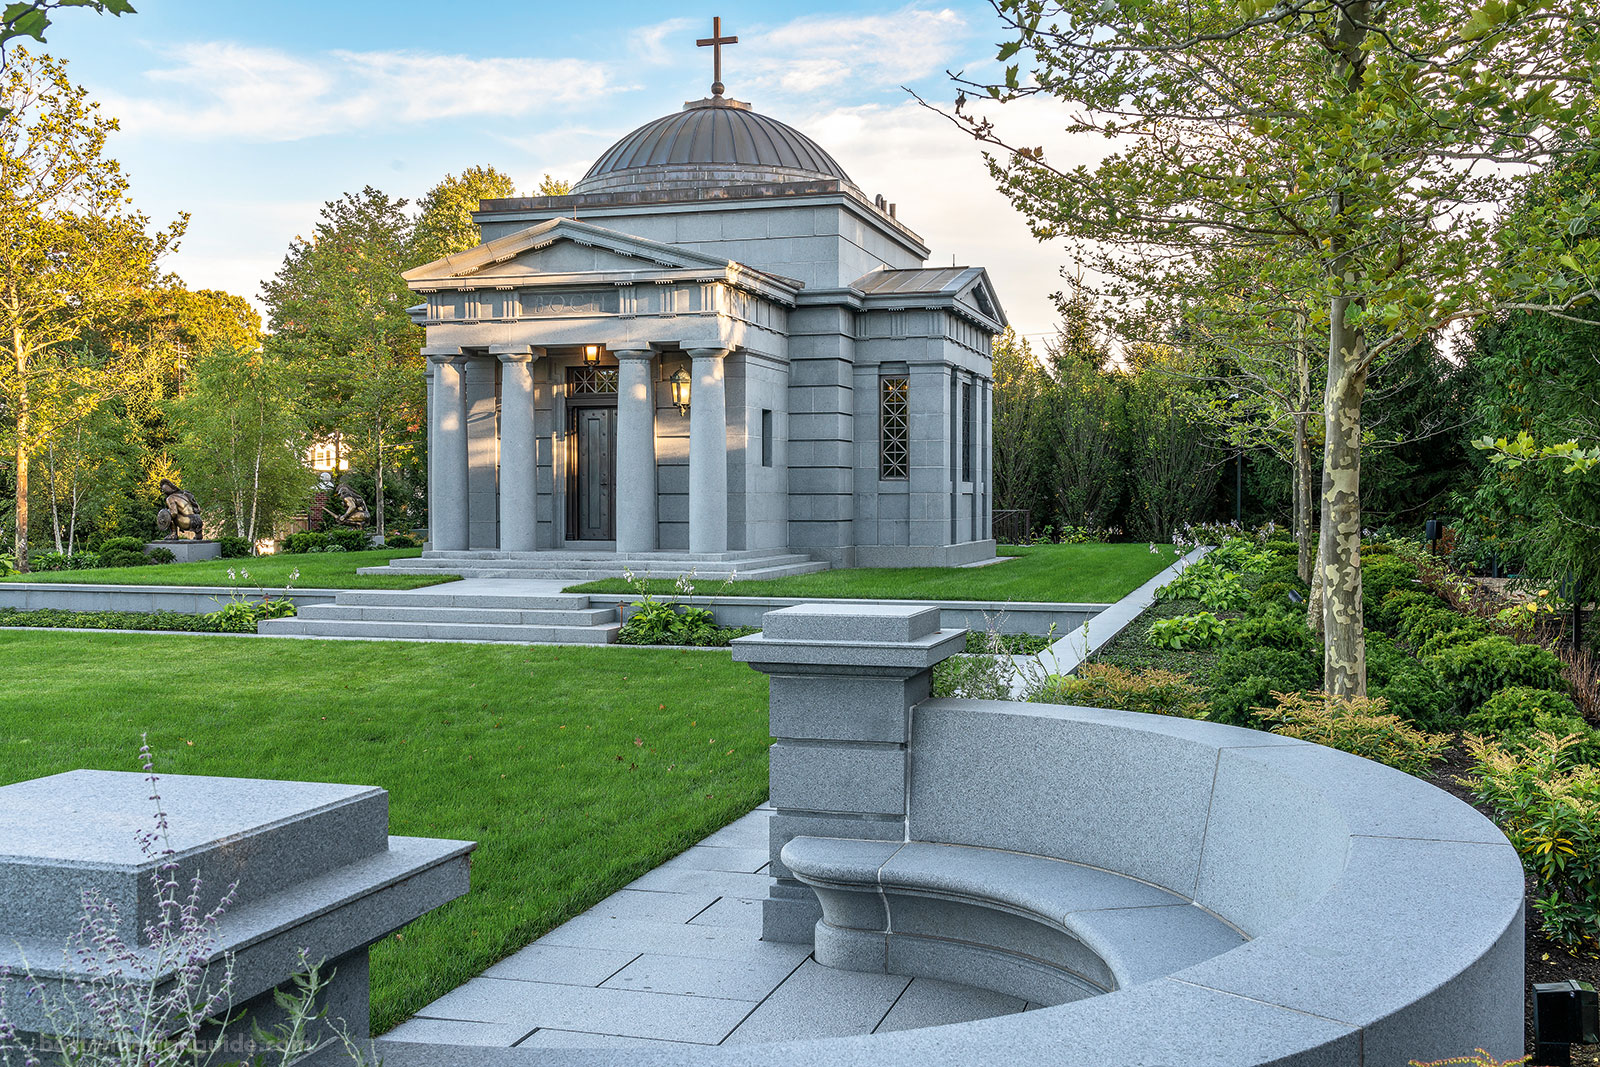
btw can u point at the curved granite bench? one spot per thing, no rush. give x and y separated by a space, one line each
1182 867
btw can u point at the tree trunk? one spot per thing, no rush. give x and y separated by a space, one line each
1345 658
377 486
22 449
1304 505
1314 601
55 503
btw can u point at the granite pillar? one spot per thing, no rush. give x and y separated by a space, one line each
429 397
518 444
844 678
636 451
447 488
708 452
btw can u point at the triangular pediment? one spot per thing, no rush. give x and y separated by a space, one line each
979 296
560 248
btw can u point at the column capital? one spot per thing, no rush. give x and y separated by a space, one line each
632 353
706 353
438 355
516 353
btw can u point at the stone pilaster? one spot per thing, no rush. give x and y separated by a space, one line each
429 397
518 444
708 452
447 488
636 451
844 680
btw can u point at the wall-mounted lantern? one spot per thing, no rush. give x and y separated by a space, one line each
680 390
591 354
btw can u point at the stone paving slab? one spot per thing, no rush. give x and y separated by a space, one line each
676 958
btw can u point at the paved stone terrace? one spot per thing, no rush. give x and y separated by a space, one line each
677 957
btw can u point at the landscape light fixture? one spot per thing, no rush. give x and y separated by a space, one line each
680 390
1564 1014
591 354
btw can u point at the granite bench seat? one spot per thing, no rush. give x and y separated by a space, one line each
1046 930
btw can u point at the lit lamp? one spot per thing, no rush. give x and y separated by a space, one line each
591 354
680 390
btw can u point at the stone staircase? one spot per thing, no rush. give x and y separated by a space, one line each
581 566
560 618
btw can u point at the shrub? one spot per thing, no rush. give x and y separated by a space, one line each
1376 550
1383 576
83 561
1270 593
1242 554
1287 572
1273 631
1100 685
1475 671
8 564
350 540
49 561
332 548
1411 686
1186 631
1548 805
305 541
162 555
1361 726
1236 704
124 557
1514 716
234 547
121 544
401 540
1464 631
1394 607
241 616
1420 620
1288 669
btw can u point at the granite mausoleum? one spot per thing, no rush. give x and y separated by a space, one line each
716 348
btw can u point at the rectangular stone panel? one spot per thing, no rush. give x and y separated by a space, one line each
841 777
856 622
837 708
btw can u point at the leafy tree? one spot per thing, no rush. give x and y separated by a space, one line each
30 18
241 440
1019 409
337 310
549 186
71 250
1348 142
1087 423
1172 467
95 464
444 220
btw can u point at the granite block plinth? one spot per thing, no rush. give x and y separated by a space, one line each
188 551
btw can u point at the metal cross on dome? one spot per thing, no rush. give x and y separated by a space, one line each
715 43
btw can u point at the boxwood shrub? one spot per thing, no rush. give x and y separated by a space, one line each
1475 671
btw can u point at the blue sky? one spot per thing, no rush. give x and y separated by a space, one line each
251 115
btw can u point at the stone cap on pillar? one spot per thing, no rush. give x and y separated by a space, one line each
515 353
851 635
314 862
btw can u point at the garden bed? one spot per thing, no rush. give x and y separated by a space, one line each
316 570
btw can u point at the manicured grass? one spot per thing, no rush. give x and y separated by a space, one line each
1068 574
318 570
575 769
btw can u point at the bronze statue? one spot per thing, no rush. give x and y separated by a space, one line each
355 508
180 520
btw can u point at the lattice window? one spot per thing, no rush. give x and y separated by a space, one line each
592 381
968 446
894 427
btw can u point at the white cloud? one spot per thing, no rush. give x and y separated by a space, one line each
843 56
221 91
649 44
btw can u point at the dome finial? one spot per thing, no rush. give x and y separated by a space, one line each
715 43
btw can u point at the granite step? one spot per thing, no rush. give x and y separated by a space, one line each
439 597
583 570
441 631
431 613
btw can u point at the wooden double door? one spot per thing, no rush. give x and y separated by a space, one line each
592 472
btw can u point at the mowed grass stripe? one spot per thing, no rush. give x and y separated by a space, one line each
318 570
1066 574
576 769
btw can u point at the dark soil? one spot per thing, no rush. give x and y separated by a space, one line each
1547 961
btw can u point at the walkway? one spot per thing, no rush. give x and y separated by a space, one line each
677 957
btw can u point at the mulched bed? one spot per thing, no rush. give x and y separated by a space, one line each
1546 960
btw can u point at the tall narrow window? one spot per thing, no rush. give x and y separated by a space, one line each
766 437
967 449
894 427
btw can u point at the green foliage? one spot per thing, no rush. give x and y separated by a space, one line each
401 540
234 547
60 561
1410 685
1448 633
161 555
240 616
123 557
122 544
655 622
1289 669
1101 685
1270 593
1204 581
306 541
8 564
1273 631
1237 704
30 18
444 214
1475 671
1186 631
1359 725
1383 576
350 540
1514 715
1398 604
1548 805
234 617
1244 555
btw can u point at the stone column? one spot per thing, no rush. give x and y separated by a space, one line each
447 492
636 451
844 680
430 397
708 452
518 444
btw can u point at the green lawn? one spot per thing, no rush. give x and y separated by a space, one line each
1069 574
576 770
318 570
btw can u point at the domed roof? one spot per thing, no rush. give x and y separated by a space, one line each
712 142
